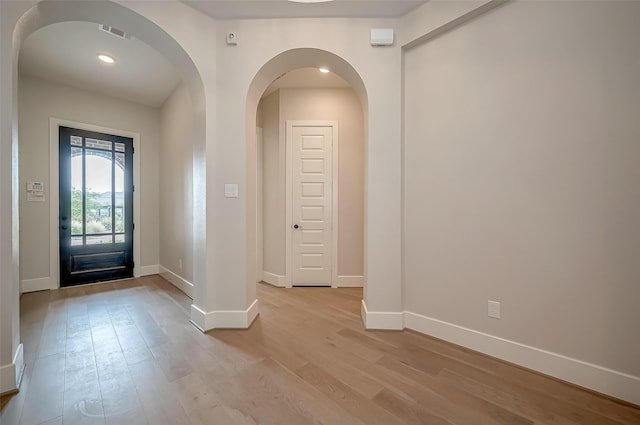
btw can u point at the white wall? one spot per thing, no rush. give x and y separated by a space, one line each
176 184
39 100
341 105
521 181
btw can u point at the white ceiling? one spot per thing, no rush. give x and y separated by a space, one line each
310 78
241 9
66 53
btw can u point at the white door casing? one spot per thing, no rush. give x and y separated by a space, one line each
54 235
311 203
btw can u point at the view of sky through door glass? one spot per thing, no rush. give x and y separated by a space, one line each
102 214
101 167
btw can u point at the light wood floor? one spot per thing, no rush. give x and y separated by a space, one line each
125 353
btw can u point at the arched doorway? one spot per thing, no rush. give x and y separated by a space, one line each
21 21
273 69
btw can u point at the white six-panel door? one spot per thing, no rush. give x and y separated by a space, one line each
312 209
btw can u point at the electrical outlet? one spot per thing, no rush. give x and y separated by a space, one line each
493 309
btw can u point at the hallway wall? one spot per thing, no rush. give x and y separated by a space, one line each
521 186
39 100
176 188
343 106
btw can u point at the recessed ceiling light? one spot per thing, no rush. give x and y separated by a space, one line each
106 58
323 70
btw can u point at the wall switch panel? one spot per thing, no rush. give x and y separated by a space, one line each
230 190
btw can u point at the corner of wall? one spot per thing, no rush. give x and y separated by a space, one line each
224 319
11 374
381 320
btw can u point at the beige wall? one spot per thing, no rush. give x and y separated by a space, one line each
521 178
176 184
38 101
506 171
273 239
341 105
377 71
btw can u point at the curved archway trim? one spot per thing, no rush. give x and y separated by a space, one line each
271 70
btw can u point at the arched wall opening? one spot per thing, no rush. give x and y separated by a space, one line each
270 71
26 20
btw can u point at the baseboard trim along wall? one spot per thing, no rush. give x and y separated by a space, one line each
176 280
146 270
610 382
350 281
381 320
32 285
274 279
224 319
343 281
11 374
46 283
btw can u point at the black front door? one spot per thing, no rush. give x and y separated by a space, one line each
96 207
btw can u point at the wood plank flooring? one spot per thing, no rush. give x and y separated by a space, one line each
124 353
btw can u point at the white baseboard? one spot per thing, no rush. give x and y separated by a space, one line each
230 319
274 279
177 281
343 281
146 270
11 374
350 281
32 285
382 320
613 383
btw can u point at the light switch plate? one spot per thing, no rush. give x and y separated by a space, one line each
231 190
493 309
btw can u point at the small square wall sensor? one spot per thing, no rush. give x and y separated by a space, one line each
232 38
381 36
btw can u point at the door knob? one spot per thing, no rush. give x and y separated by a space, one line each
295 226
64 227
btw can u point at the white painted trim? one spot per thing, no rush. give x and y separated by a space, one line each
288 213
146 270
383 320
259 203
54 201
335 174
252 312
224 319
350 282
11 374
176 280
289 198
33 285
607 381
274 279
